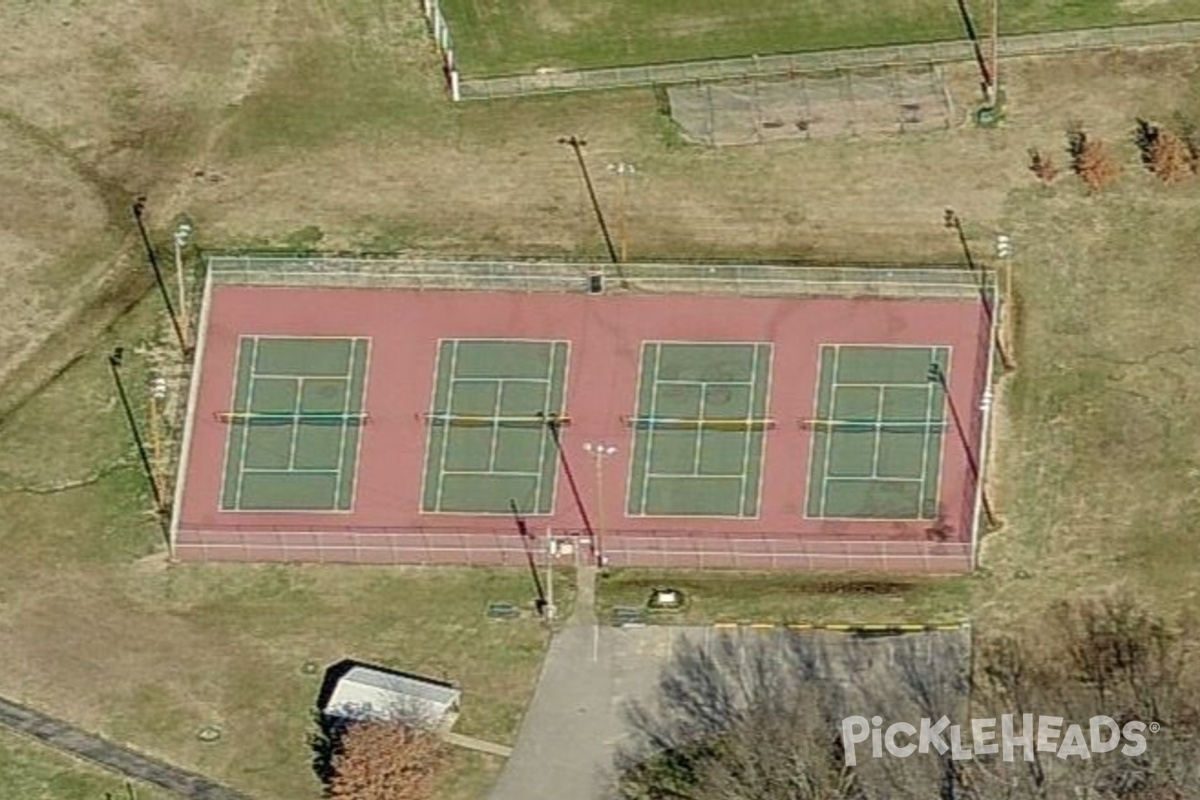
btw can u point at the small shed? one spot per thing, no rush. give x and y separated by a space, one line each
357 692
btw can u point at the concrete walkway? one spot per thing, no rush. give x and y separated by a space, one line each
562 736
69 739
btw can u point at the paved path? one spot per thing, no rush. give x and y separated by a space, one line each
471 743
69 739
921 54
567 739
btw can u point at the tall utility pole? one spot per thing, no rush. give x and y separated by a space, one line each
139 210
599 453
995 97
555 427
158 393
182 232
973 35
952 221
938 376
114 364
527 542
577 144
623 172
551 552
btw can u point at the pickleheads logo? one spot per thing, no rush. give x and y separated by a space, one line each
1027 733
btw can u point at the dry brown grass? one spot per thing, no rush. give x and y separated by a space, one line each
331 116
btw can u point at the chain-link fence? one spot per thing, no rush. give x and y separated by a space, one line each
552 276
759 67
858 103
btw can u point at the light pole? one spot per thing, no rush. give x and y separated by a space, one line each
1004 252
139 210
623 171
577 144
115 360
951 221
599 453
938 376
183 232
158 394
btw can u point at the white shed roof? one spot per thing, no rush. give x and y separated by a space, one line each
366 693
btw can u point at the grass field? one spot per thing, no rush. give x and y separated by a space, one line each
153 653
779 598
30 771
496 37
328 127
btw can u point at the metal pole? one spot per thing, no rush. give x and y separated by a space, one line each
995 51
577 145
936 375
158 391
527 541
182 231
623 171
599 452
114 365
979 59
139 208
951 220
549 574
552 424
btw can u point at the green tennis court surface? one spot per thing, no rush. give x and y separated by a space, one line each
487 444
294 424
699 429
877 436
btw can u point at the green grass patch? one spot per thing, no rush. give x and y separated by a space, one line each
32 771
146 653
494 37
780 597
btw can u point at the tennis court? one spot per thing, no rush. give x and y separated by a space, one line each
699 429
294 424
489 444
878 431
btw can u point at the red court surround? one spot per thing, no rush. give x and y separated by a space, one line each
606 334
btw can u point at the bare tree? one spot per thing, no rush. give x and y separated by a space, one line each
1091 159
1042 166
759 716
1170 158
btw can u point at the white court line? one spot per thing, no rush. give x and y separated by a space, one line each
348 389
645 495
769 349
232 406
926 440
496 472
873 478
633 434
548 384
878 431
948 351
496 403
748 433
686 476
682 382
698 439
897 385
493 380
833 384
292 471
298 388
241 465
437 506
